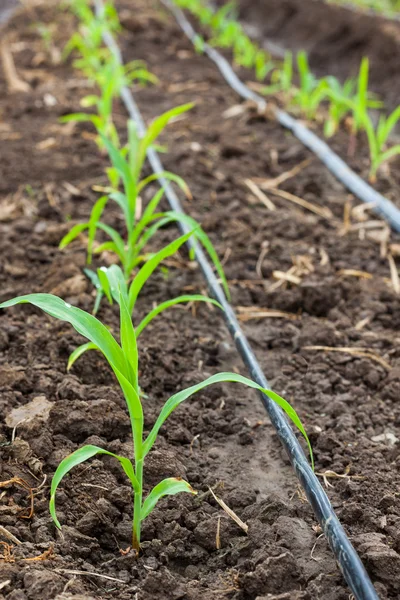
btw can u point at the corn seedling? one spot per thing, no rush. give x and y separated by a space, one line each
100 66
123 360
378 137
282 79
340 96
363 99
88 41
311 91
127 164
110 78
226 32
349 97
388 8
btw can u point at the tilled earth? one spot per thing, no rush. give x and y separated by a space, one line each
341 295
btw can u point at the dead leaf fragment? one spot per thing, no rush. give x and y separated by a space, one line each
39 407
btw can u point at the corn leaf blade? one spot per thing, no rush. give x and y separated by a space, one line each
76 458
77 353
167 487
84 323
168 304
174 401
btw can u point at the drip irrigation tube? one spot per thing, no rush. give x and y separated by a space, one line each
348 559
379 204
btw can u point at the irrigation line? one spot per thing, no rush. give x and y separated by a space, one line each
379 204
348 559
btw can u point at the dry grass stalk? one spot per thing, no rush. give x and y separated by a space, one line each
333 475
266 184
260 260
230 512
286 276
394 249
14 82
324 257
263 198
248 313
9 535
361 324
88 574
358 212
359 352
346 216
218 535
394 275
234 111
324 212
355 273
302 266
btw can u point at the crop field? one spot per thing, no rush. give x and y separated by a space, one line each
199 210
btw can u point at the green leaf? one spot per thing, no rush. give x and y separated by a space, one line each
104 283
147 215
77 353
122 166
385 156
203 238
84 323
156 127
116 282
166 175
73 234
128 339
116 238
94 217
174 401
76 458
80 117
167 487
90 100
151 265
164 305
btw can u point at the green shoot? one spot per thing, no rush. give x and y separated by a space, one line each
377 139
127 164
340 97
123 360
311 92
363 99
282 79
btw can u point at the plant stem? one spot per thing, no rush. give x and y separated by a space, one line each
137 508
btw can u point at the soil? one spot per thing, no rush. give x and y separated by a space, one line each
335 38
221 438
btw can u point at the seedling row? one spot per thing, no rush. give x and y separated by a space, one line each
129 209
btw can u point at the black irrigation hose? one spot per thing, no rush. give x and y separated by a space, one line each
381 205
348 559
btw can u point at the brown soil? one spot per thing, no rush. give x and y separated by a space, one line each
221 438
334 37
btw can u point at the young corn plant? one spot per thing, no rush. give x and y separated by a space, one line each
378 138
226 32
127 165
99 65
363 100
110 78
282 79
123 360
88 40
311 92
340 96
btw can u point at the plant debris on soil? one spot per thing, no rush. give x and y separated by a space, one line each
310 283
